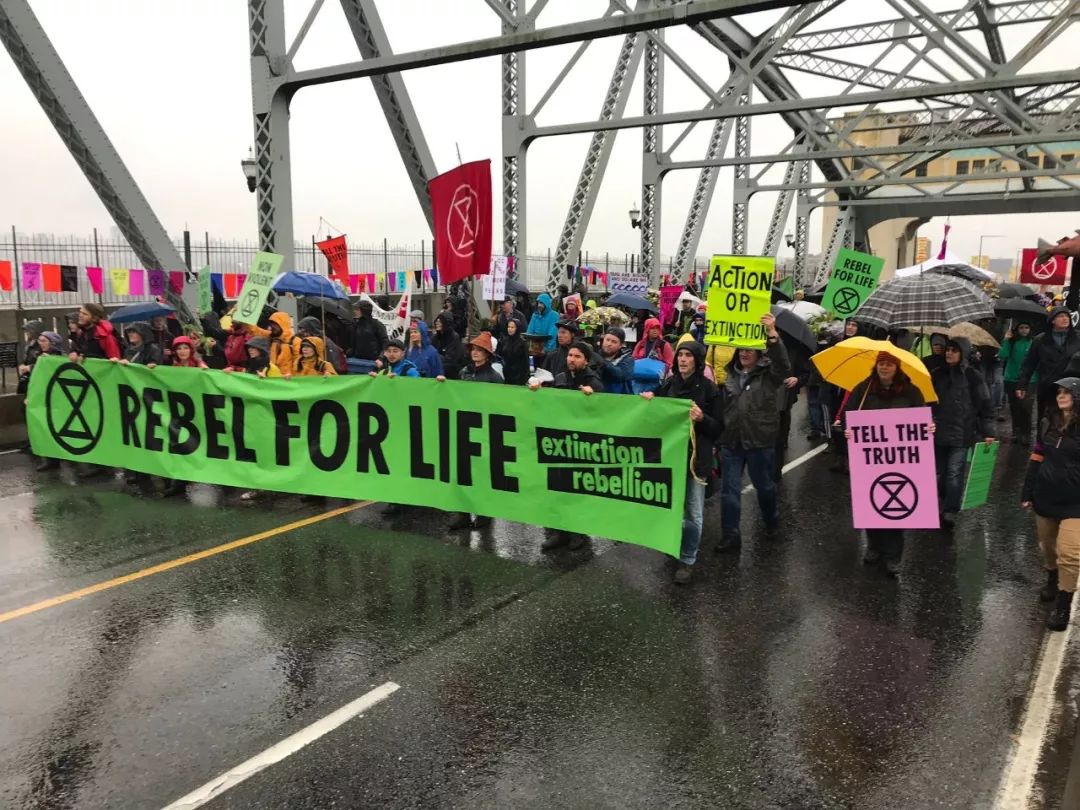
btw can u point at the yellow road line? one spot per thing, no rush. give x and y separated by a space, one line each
168 566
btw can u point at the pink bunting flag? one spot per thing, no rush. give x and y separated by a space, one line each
176 281
354 283
156 281
370 282
137 283
391 279
31 276
97 283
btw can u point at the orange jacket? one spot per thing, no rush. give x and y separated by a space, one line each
315 367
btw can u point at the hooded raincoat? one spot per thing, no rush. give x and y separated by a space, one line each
654 349
317 366
424 357
449 346
283 347
544 323
704 392
146 353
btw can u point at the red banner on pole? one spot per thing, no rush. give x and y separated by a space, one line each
1050 272
337 253
461 209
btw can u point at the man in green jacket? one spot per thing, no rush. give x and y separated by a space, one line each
1014 350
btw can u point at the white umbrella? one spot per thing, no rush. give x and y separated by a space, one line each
807 310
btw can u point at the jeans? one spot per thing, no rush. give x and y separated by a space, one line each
951 464
760 463
692 519
1020 410
813 405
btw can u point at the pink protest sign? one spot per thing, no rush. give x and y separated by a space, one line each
893 479
669 296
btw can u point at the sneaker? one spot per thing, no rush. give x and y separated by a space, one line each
577 541
249 495
683 574
1059 616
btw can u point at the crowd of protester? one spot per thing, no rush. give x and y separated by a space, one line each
740 402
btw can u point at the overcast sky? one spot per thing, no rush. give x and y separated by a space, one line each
169 81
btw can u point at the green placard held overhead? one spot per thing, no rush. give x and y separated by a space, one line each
206 292
855 275
983 457
264 269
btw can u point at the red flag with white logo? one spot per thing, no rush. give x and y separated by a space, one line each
1050 272
461 209
337 253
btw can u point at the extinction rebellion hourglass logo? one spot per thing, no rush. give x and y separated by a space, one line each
74 409
616 467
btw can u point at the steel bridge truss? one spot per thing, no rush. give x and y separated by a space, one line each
869 107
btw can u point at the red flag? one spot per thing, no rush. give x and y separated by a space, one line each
337 253
461 208
944 242
50 277
5 275
1049 272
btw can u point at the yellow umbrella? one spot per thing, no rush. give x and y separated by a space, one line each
850 362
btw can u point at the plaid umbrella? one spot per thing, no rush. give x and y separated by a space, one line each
930 299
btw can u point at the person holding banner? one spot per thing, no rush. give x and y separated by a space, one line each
886 387
284 346
963 414
95 337
421 353
183 353
312 361
689 382
751 422
394 362
614 362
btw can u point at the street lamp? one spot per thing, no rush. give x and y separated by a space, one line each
988 236
790 239
635 216
250 170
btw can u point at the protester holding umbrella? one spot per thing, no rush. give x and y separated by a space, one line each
1049 357
962 414
1014 351
1052 491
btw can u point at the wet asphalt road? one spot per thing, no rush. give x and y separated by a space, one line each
789 676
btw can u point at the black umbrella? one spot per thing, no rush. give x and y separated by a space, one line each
794 327
331 306
961 271
1010 289
1020 309
628 301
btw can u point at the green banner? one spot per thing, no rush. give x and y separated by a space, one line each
982 458
855 275
206 292
608 464
739 294
786 285
260 279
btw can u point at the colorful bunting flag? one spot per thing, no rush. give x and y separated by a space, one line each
119 278
391 279
402 283
69 278
31 276
50 278
137 282
232 288
417 276
370 284
355 283
5 275
155 279
176 281
96 281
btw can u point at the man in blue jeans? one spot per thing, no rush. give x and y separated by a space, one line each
963 413
755 381
688 381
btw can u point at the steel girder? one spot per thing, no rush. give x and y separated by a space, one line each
651 179
273 179
82 133
699 202
802 227
596 159
781 211
689 13
1019 11
842 231
371 40
514 155
740 207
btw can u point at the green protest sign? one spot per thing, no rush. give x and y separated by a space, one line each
739 293
260 278
982 458
610 464
206 292
855 275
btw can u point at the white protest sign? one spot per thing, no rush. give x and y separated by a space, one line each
395 320
633 283
495 281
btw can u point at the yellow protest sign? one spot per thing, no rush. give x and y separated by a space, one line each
739 292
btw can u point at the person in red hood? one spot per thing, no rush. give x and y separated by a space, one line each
95 338
183 353
652 345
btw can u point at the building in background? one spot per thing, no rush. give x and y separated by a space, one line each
923 246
